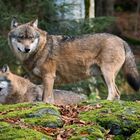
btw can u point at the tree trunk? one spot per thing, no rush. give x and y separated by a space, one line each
70 9
92 9
89 8
104 7
109 7
99 8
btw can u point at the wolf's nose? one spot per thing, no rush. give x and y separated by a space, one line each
0 88
27 50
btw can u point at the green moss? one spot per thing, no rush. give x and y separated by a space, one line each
26 109
120 117
13 132
19 105
119 137
136 135
33 113
46 121
89 132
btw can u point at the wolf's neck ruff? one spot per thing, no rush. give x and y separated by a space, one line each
42 52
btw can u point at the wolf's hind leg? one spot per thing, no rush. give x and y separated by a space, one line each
109 76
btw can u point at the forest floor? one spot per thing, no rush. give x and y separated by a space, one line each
91 120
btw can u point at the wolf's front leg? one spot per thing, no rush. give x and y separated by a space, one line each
48 82
48 71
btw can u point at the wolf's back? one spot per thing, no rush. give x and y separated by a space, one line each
130 68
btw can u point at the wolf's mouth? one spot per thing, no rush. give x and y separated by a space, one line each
19 49
22 51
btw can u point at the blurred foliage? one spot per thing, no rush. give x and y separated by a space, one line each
26 10
79 27
126 5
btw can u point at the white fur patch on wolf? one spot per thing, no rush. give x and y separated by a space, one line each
34 45
4 91
36 71
4 88
3 84
18 46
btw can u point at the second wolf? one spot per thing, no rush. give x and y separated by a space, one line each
71 59
16 89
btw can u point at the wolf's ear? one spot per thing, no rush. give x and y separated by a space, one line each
34 23
14 23
5 68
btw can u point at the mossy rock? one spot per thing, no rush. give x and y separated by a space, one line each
14 132
121 118
88 132
33 113
136 135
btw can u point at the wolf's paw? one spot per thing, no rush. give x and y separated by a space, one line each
49 100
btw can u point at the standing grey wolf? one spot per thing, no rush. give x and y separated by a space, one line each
16 89
66 59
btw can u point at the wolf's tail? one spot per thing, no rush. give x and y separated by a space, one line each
130 69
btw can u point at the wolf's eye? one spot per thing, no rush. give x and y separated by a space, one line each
32 39
18 40
21 37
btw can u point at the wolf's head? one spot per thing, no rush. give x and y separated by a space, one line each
24 38
4 72
5 83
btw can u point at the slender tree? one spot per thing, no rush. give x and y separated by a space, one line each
92 9
89 8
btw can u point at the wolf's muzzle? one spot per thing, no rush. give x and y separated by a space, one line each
26 50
